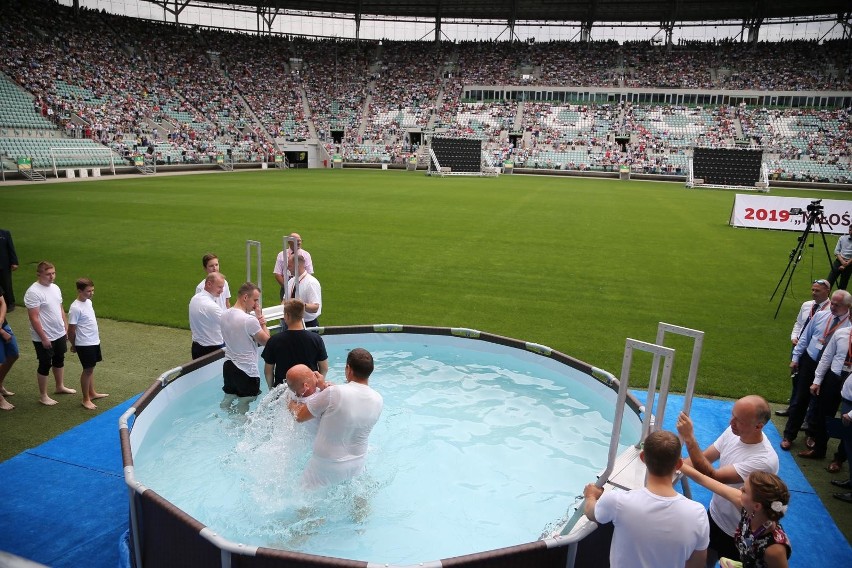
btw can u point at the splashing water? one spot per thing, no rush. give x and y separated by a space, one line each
475 450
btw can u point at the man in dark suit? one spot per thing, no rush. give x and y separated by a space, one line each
8 263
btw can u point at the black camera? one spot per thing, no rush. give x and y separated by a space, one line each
815 206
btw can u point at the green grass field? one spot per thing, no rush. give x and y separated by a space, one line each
575 264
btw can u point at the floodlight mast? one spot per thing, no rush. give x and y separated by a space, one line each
815 217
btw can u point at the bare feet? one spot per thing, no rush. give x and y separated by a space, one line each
4 392
64 390
96 395
89 405
5 405
47 401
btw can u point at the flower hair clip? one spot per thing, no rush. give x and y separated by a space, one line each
779 507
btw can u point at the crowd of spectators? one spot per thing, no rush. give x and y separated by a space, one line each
130 84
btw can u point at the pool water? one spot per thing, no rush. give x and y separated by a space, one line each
479 447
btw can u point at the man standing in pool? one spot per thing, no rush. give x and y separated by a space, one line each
242 332
292 346
655 525
305 384
346 414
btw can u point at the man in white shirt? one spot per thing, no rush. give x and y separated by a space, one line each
306 288
205 313
842 260
243 329
834 366
281 263
304 384
85 340
741 449
211 264
806 356
846 421
654 526
819 302
43 301
347 414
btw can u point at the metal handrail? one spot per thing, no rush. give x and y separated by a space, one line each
249 246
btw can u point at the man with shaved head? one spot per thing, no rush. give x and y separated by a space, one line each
741 449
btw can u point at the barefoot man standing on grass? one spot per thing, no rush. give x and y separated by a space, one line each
85 339
47 329
8 353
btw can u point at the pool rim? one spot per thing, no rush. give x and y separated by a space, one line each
142 496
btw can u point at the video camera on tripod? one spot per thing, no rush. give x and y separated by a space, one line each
814 211
814 208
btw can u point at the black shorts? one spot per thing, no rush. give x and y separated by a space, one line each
89 355
721 542
53 357
237 382
199 350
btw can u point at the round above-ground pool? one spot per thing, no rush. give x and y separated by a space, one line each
483 446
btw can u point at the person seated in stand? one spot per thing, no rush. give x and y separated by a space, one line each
762 501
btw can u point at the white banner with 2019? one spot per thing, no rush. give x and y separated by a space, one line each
790 213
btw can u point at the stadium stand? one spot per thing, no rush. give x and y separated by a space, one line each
193 94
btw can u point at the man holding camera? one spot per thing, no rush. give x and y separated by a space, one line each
843 258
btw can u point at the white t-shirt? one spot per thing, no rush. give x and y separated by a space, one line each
205 315
745 458
48 300
346 414
652 531
311 427
223 297
82 315
238 331
310 292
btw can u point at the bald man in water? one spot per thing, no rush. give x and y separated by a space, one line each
346 414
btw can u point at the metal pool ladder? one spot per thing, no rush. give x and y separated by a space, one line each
627 471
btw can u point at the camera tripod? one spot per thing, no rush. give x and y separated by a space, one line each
814 214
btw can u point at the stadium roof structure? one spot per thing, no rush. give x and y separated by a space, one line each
547 10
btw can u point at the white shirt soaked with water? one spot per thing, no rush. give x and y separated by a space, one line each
311 427
238 331
346 414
